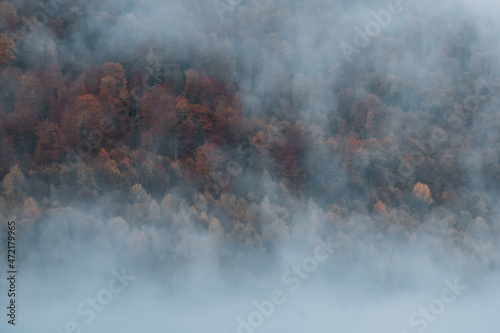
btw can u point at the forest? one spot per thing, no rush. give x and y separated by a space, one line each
160 129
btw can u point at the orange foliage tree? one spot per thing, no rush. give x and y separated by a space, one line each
113 87
422 191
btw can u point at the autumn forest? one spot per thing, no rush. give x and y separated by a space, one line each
142 129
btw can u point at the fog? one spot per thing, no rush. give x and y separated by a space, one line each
361 281
338 252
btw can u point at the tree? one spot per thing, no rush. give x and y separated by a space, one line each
422 191
13 184
87 127
8 16
90 80
277 231
30 213
356 160
54 93
453 177
211 91
159 116
300 93
288 166
40 51
6 50
70 19
58 27
86 177
108 173
187 125
9 84
8 156
113 87
192 88
208 159
49 145
380 208
215 228
15 131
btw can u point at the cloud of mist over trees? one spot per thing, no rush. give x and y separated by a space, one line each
231 146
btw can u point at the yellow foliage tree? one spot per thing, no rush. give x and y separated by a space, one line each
12 184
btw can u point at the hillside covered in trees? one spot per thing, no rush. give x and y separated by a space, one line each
182 129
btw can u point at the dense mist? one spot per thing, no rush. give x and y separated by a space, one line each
249 166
